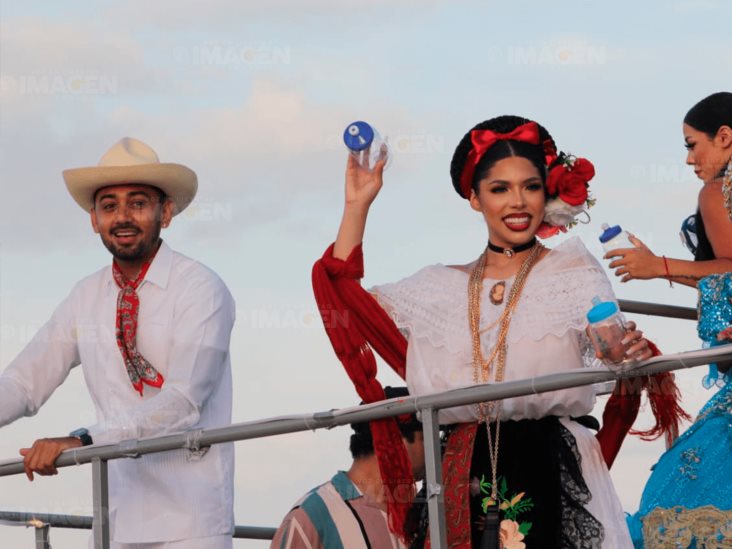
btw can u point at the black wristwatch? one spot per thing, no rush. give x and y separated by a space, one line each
83 435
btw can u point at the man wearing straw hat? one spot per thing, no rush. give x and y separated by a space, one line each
152 334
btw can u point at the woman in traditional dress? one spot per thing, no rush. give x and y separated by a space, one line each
708 139
687 502
519 472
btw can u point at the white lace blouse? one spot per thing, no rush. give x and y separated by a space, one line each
546 333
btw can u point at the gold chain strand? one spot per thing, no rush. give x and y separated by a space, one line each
482 367
474 297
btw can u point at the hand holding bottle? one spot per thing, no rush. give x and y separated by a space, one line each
638 262
364 172
615 340
363 183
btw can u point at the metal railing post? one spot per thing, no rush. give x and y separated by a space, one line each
433 478
43 537
100 489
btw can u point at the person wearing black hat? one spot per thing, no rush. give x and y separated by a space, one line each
350 509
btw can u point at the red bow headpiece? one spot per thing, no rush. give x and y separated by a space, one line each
484 139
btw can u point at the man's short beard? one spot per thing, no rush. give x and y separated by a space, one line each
140 252
126 254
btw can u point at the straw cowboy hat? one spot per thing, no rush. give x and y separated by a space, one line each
130 161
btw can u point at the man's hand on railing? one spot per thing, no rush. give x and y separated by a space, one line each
41 457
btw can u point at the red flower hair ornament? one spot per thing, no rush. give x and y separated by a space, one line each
567 189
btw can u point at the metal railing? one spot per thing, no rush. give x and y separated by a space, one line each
426 406
42 522
657 309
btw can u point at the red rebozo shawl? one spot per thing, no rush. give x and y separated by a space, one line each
356 324
622 409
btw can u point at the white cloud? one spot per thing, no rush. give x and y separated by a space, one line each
275 142
232 14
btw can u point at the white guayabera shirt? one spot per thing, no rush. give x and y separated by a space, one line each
184 327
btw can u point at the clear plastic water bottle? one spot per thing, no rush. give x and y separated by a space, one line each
365 144
607 330
614 238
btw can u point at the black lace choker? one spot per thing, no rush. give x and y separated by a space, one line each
509 252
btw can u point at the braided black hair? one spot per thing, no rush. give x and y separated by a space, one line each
502 149
711 113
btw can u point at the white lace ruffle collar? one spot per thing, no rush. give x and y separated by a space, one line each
433 303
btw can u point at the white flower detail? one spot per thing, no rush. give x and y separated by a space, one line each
559 213
569 161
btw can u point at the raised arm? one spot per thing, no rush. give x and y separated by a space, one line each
362 186
642 263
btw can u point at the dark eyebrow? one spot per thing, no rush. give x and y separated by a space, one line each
129 195
108 195
502 182
138 193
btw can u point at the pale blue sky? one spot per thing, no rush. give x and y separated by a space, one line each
254 97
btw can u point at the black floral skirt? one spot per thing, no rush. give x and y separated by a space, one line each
541 491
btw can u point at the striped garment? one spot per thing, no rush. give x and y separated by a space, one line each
335 515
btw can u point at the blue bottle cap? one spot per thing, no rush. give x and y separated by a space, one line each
610 233
358 135
601 310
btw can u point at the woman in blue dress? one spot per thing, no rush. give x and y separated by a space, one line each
687 502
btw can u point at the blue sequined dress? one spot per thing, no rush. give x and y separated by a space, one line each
687 502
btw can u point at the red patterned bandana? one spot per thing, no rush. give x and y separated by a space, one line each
128 305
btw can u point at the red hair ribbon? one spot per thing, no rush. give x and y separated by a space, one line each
550 152
484 140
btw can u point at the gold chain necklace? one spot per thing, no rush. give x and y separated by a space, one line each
482 367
